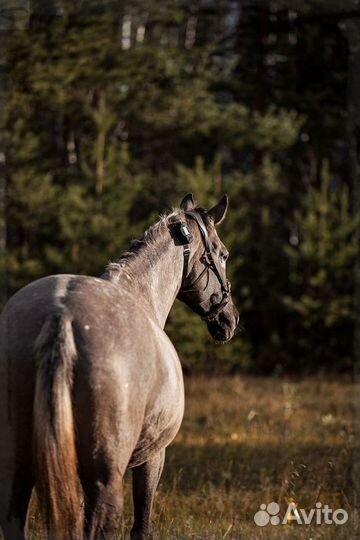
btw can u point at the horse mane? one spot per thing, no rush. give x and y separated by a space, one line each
138 249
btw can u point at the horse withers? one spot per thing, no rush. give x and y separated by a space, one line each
90 384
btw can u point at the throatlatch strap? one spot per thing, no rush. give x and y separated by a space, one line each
186 262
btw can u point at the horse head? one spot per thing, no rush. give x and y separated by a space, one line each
205 287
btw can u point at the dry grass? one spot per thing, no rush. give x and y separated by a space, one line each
247 441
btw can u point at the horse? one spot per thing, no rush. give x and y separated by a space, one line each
91 385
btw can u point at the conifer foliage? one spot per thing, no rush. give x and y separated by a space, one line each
112 111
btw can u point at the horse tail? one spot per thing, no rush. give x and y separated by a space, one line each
55 457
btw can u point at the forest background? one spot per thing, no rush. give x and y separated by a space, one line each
112 111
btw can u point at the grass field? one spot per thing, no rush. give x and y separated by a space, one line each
247 441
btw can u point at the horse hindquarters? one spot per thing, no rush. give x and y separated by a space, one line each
55 459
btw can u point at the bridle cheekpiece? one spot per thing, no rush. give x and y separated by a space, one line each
206 259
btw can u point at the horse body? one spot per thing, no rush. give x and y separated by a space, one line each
90 385
112 423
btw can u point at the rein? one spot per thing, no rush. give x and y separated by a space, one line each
207 260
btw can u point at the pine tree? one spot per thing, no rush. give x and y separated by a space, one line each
320 305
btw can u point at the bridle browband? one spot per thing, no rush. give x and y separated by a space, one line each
207 260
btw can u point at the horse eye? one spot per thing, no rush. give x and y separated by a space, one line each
224 256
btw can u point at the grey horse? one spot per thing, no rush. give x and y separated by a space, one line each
90 384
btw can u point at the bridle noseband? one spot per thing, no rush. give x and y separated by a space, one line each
209 263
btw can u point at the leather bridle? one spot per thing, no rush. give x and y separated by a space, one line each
209 263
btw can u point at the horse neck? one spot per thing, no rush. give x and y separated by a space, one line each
154 275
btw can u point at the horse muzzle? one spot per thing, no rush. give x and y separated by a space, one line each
222 327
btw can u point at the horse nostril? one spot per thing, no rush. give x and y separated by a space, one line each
224 320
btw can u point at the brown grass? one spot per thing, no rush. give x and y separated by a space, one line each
247 441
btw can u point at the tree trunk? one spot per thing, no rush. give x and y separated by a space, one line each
351 28
3 288
102 125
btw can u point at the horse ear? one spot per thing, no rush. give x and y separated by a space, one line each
188 202
218 212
